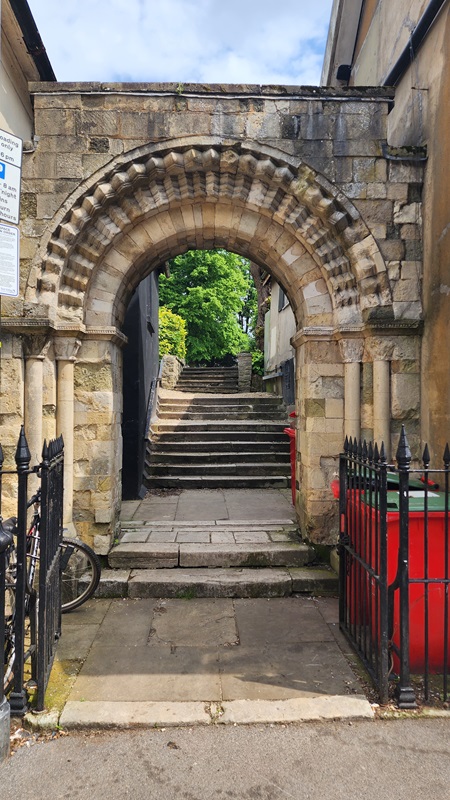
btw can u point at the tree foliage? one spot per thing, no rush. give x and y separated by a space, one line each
214 292
172 334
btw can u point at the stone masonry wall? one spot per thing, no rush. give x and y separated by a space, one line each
83 128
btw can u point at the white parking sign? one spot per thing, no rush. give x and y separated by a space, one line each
9 261
10 174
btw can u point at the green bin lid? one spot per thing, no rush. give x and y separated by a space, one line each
436 500
393 479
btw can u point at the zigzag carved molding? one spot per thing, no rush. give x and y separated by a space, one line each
300 200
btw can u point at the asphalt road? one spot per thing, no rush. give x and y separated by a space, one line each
401 759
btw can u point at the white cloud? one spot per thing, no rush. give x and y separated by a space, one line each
227 41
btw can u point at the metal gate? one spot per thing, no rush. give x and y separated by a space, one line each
394 569
49 612
31 624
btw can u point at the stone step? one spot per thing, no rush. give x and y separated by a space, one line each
210 370
165 445
218 482
209 388
221 409
276 529
170 555
208 416
216 400
162 455
286 528
213 438
218 582
204 380
222 427
157 468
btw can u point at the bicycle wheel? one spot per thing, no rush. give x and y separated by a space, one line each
80 573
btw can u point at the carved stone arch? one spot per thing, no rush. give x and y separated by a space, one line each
156 201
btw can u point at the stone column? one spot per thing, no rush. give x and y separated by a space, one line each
380 348
35 350
65 353
320 404
382 405
351 352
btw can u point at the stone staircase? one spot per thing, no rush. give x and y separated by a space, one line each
208 379
214 558
217 440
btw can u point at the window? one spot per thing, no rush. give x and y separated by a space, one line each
282 299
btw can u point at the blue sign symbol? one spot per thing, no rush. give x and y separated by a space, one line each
2 170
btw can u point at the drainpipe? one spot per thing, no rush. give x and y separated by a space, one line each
415 41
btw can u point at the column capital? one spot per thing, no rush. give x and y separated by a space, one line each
36 345
351 350
316 333
66 347
380 348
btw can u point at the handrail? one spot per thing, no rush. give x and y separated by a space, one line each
150 404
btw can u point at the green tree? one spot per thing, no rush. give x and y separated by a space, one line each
172 334
212 291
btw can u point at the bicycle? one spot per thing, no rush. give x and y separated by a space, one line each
80 576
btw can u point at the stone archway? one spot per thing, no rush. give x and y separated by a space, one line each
248 197
158 201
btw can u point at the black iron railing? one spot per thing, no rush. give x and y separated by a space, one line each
394 569
51 526
30 566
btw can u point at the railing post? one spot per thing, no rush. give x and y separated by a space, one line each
383 667
343 488
49 615
4 705
405 692
18 696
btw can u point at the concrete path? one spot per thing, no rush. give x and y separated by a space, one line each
195 505
203 661
405 759
184 661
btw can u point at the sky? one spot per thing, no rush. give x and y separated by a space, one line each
200 41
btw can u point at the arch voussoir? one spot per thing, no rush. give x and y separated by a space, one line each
177 191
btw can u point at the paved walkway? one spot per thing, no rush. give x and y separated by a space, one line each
204 660
218 505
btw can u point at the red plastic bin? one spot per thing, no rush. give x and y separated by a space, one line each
436 570
291 433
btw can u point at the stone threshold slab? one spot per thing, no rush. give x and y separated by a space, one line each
79 715
216 582
269 524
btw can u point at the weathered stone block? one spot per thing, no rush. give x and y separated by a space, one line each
334 409
324 425
97 122
375 210
376 191
392 249
93 377
406 290
411 213
102 546
55 122
103 515
314 407
69 165
405 391
405 173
